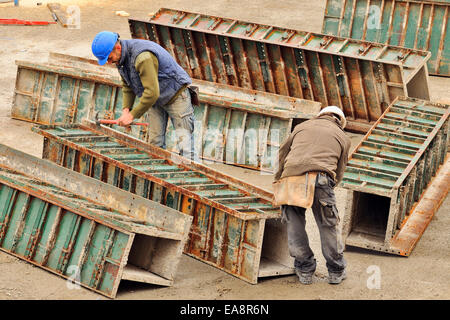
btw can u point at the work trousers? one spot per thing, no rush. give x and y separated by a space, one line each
327 219
181 113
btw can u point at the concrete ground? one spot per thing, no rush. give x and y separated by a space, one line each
423 275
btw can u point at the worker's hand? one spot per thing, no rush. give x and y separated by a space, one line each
126 118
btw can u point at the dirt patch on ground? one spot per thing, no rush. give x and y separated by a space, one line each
423 275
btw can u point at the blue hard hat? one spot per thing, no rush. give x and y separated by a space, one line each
103 45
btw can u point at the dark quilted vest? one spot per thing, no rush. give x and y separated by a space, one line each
171 76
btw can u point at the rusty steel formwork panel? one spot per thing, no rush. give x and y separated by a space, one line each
362 78
232 125
415 24
243 127
389 172
85 230
64 90
235 227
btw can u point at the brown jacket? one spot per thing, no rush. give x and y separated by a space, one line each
318 144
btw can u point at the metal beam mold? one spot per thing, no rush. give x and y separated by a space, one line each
390 173
416 24
235 227
84 230
362 78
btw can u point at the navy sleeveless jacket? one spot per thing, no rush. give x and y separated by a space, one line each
171 76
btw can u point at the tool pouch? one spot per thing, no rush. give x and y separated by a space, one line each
295 191
193 90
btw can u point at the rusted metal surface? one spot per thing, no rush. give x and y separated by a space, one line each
362 78
422 25
422 213
243 127
232 125
85 230
61 91
390 170
235 226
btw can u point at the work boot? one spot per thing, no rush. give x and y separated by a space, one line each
336 278
304 277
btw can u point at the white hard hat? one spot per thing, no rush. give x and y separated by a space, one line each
336 111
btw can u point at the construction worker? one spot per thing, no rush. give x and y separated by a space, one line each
150 73
314 156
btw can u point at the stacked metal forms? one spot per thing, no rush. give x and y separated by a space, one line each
355 75
256 82
244 127
362 78
232 125
416 24
389 172
84 230
235 226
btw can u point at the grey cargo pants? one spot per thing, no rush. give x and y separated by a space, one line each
327 219
181 114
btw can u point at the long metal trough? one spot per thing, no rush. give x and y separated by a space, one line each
415 24
360 77
82 229
235 226
390 171
232 125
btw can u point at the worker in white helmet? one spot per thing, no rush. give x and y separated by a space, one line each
311 162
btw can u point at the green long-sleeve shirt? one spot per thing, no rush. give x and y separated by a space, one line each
146 65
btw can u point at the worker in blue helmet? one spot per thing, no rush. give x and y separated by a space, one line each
151 74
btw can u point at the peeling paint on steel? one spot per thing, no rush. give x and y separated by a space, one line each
390 170
225 115
226 211
65 228
415 24
361 78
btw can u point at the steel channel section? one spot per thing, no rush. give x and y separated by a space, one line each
232 125
76 227
362 78
235 227
243 127
390 170
422 25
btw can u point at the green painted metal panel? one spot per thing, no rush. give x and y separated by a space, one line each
95 255
15 219
222 207
51 217
48 91
290 62
415 24
332 13
390 170
26 242
50 221
169 170
68 228
82 240
439 22
111 267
